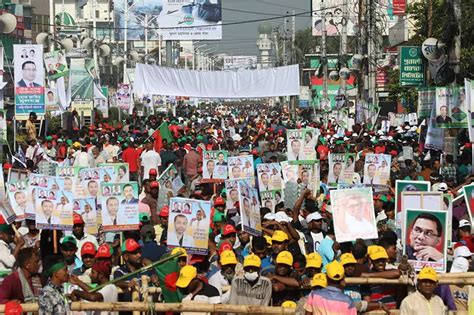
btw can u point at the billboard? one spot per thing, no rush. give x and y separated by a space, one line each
174 20
240 62
29 80
333 10
81 85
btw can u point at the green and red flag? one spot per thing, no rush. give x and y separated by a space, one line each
162 133
168 274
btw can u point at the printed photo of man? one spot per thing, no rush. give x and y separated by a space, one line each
111 216
28 70
425 236
46 216
128 194
178 236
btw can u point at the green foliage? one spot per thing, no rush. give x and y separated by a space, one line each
398 92
54 124
305 43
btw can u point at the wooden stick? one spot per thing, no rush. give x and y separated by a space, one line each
55 241
405 281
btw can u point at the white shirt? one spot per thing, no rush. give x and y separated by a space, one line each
150 159
317 238
218 281
7 260
110 294
82 159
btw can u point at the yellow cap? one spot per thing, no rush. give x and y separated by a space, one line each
335 270
285 257
279 236
428 273
319 280
228 258
377 252
186 274
268 239
348 258
178 250
290 304
314 260
252 260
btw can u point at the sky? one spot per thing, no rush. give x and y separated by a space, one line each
241 39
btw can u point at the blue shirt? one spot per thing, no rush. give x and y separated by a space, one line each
326 251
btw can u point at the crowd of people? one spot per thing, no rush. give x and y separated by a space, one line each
296 261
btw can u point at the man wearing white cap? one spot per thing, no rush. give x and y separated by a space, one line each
464 234
460 293
315 235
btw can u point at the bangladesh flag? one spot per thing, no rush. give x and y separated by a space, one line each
168 274
161 133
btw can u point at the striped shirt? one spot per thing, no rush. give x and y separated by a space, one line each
330 301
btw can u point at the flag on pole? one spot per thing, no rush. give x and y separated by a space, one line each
162 133
168 274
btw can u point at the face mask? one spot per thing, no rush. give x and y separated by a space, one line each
251 276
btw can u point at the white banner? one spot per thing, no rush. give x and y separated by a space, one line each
281 81
240 62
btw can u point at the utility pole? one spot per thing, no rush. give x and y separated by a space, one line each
169 53
323 55
345 18
293 37
372 53
284 42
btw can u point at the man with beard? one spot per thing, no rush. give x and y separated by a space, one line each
162 228
79 234
222 280
19 285
68 250
132 257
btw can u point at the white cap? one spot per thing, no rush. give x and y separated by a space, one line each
281 216
269 216
236 137
442 187
464 222
313 216
460 264
462 251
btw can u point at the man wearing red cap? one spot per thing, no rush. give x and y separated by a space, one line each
162 228
88 252
79 234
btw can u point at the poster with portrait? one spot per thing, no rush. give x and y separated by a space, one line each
468 191
70 175
341 168
121 171
354 215
249 209
290 173
241 167
124 96
232 193
29 80
55 64
301 144
6 210
425 241
91 178
87 209
214 166
188 225
406 186
377 169
119 206
269 199
36 181
269 176
451 107
170 185
426 200
17 197
53 209
51 99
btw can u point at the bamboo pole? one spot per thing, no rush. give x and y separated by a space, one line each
136 299
446 279
167 307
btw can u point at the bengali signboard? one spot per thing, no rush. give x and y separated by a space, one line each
412 71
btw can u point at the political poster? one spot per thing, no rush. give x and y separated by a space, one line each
51 99
406 186
290 173
232 193
241 167
426 101
249 209
121 171
5 208
3 127
170 185
124 96
469 89
18 196
53 209
332 10
269 176
36 181
448 207
86 207
469 197
170 20
377 169
354 215
119 206
214 166
451 107
240 63
341 168
70 175
91 178
188 225
425 241
301 144
81 86
29 80
56 65
269 199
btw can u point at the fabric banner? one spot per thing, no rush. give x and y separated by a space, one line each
249 209
81 83
119 206
189 223
451 107
56 65
29 80
281 81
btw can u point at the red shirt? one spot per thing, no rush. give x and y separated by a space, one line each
11 289
130 156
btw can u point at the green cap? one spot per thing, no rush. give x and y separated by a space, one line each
143 217
6 228
69 142
218 217
69 239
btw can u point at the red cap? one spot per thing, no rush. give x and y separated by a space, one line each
152 171
77 219
88 248
130 245
103 251
228 229
154 184
13 308
224 246
165 211
219 201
